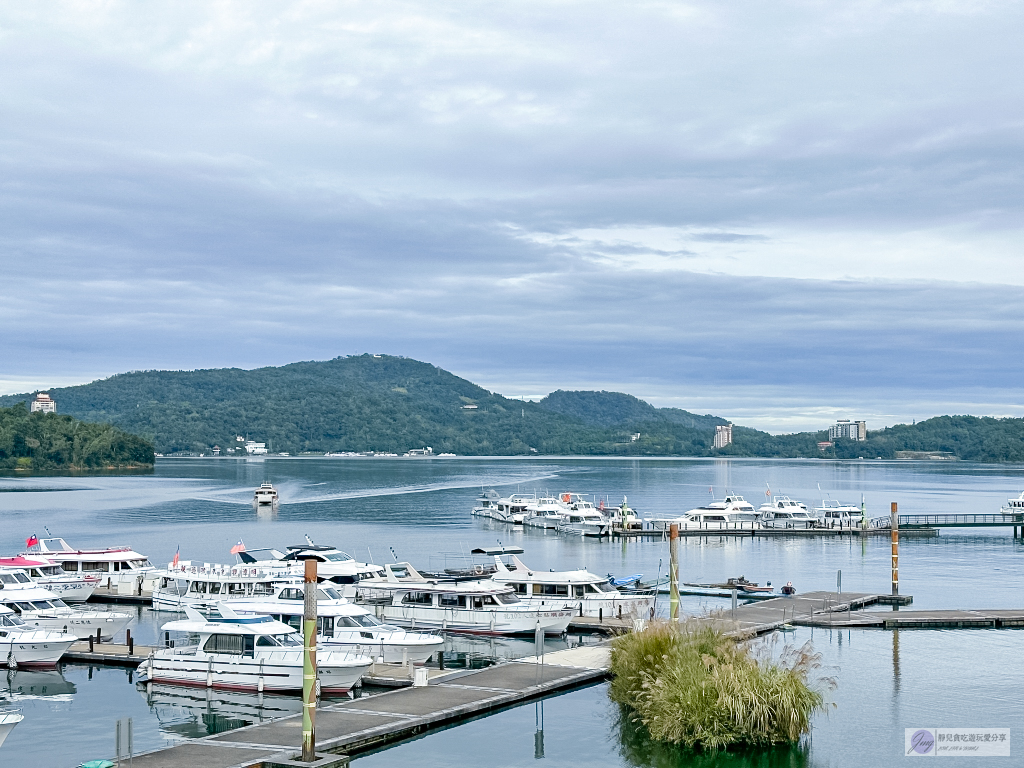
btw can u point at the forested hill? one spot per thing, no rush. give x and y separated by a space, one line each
53 441
393 404
361 403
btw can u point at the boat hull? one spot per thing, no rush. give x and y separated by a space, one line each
34 649
390 652
247 675
553 621
81 624
7 722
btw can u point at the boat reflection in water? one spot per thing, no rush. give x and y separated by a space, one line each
192 713
22 684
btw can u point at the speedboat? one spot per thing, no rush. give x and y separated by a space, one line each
486 504
265 496
8 719
332 564
407 598
247 653
23 646
783 512
546 512
341 624
731 513
118 568
834 514
41 609
72 588
1014 506
587 594
202 585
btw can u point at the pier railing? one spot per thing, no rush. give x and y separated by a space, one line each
960 521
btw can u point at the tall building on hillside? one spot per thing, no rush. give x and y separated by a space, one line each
723 435
43 403
852 430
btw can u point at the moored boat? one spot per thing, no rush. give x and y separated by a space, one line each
120 568
71 588
731 513
1014 506
8 719
783 512
247 653
333 565
22 646
41 609
202 585
408 599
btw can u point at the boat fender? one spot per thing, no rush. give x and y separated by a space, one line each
234 571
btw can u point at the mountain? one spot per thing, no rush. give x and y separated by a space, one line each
610 409
360 403
393 404
31 441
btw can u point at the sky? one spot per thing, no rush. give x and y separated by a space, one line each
781 213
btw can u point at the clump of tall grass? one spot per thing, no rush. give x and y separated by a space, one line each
691 685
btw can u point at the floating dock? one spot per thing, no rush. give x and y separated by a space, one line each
768 615
371 722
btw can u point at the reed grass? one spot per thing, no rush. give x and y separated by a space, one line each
691 685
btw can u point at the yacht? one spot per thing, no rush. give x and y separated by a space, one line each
118 568
202 585
247 653
342 624
406 598
834 514
72 588
41 609
1014 506
486 504
513 509
8 719
585 522
546 512
586 593
265 496
731 513
332 564
22 646
783 512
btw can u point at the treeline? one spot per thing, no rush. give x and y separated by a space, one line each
56 441
393 404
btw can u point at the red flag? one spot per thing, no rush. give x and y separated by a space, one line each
239 547
32 541
177 553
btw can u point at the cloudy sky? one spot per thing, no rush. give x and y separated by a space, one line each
781 213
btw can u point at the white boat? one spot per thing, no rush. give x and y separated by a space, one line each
333 565
1014 506
834 514
202 585
247 653
585 522
513 509
72 588
731 513
785 513
486 504
545 512
408 599
342 624
41 609
22 646
265 496
8 719
118 568
577 590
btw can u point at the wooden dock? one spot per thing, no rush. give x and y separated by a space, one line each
978 619
924 532
371 722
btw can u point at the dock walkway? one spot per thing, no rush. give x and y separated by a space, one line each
769 615
371 722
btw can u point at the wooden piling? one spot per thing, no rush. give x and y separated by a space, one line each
309 664
895 550
673 571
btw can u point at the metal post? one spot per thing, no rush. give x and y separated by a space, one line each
118 737
673 572
129 642
309 665
734 605
895 551
839 582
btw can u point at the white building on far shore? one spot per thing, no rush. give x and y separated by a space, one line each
853 430
723 435
43 403
255 449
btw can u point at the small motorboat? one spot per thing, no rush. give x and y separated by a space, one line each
265 496
741 584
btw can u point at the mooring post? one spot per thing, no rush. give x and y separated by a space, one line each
673 572
309 665
895 551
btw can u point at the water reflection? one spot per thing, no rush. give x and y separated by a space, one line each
21 684
193 712
637 748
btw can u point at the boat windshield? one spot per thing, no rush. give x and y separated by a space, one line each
327 593
140 564
58 603
10 620
368 620
507 598
605 587
338 557
278 641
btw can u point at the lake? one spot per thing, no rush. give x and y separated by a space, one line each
419 508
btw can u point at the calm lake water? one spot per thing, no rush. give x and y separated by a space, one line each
420 508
